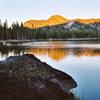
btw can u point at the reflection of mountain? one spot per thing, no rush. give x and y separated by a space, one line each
54 53
57 51
60 53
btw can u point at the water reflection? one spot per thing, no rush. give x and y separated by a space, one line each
81 60
58 53
55 50
54 53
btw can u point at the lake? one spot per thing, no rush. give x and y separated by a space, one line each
80 59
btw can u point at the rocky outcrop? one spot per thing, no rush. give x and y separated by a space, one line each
27 78
74 26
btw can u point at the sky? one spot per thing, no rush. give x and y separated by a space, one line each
23 10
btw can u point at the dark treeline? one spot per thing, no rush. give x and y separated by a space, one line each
17 32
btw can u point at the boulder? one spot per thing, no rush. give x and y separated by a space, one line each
27 78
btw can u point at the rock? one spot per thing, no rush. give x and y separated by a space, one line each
27 78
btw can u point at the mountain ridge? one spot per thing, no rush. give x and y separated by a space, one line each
74 26
57 20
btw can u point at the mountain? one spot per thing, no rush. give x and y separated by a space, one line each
87 21
57 20
75 26
53 20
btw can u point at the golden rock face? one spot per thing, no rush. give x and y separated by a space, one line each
87 21
55 20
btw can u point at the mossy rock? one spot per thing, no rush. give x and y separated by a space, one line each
36 79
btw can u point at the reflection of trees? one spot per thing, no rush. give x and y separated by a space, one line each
85 52
57 53
16 50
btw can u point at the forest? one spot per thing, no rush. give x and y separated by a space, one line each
17 32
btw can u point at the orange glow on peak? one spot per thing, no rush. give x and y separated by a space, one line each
56 20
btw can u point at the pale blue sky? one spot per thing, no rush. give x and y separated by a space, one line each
22 10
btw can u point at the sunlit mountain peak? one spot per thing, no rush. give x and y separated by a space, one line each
56 20
58 17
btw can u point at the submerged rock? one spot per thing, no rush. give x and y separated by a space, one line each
27 78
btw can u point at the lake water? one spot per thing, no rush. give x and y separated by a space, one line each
80 59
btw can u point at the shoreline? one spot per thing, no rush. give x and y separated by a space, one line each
39 40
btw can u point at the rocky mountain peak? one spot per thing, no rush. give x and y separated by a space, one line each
58 17
57 20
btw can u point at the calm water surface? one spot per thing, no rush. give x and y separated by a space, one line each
81 60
